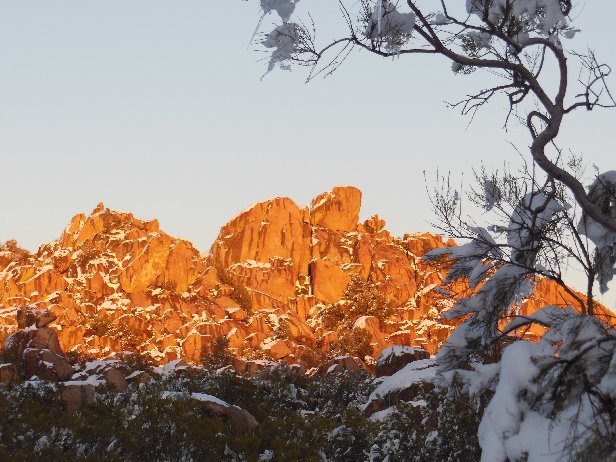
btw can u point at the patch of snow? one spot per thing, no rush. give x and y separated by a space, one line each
423 370
391 352
385 414
198 396
255 264
268 454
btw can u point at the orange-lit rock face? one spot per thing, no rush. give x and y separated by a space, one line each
114 282
337 209
277 228
277 248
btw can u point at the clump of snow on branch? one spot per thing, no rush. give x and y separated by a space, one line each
603 194
468 259
492 194
480 40
283 40
519 20
534 212
540 16
440 19
284 8
387 24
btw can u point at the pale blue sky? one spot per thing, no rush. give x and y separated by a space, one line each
157 107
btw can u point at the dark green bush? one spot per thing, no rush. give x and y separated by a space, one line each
355 342
216 354
300 419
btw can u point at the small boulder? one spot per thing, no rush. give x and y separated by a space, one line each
240 419
244 366
236 313
45 364
28 316
25 317
339 364
37 351
115 378
297 369
75 395
46 338
412 381
44 318
277 349
138 377
8 374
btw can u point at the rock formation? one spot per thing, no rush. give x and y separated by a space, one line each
34 350
112 282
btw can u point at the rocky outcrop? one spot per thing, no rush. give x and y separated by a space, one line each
35 350
337 209
294 259
113 282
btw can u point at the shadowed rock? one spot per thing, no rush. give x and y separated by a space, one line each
36 351
75 395
392 359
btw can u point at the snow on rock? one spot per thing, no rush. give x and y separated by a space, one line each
171 367
240 419
198 396
418 371
401 386
394 358
339 364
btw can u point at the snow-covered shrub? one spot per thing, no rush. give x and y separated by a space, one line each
551 398
439 425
